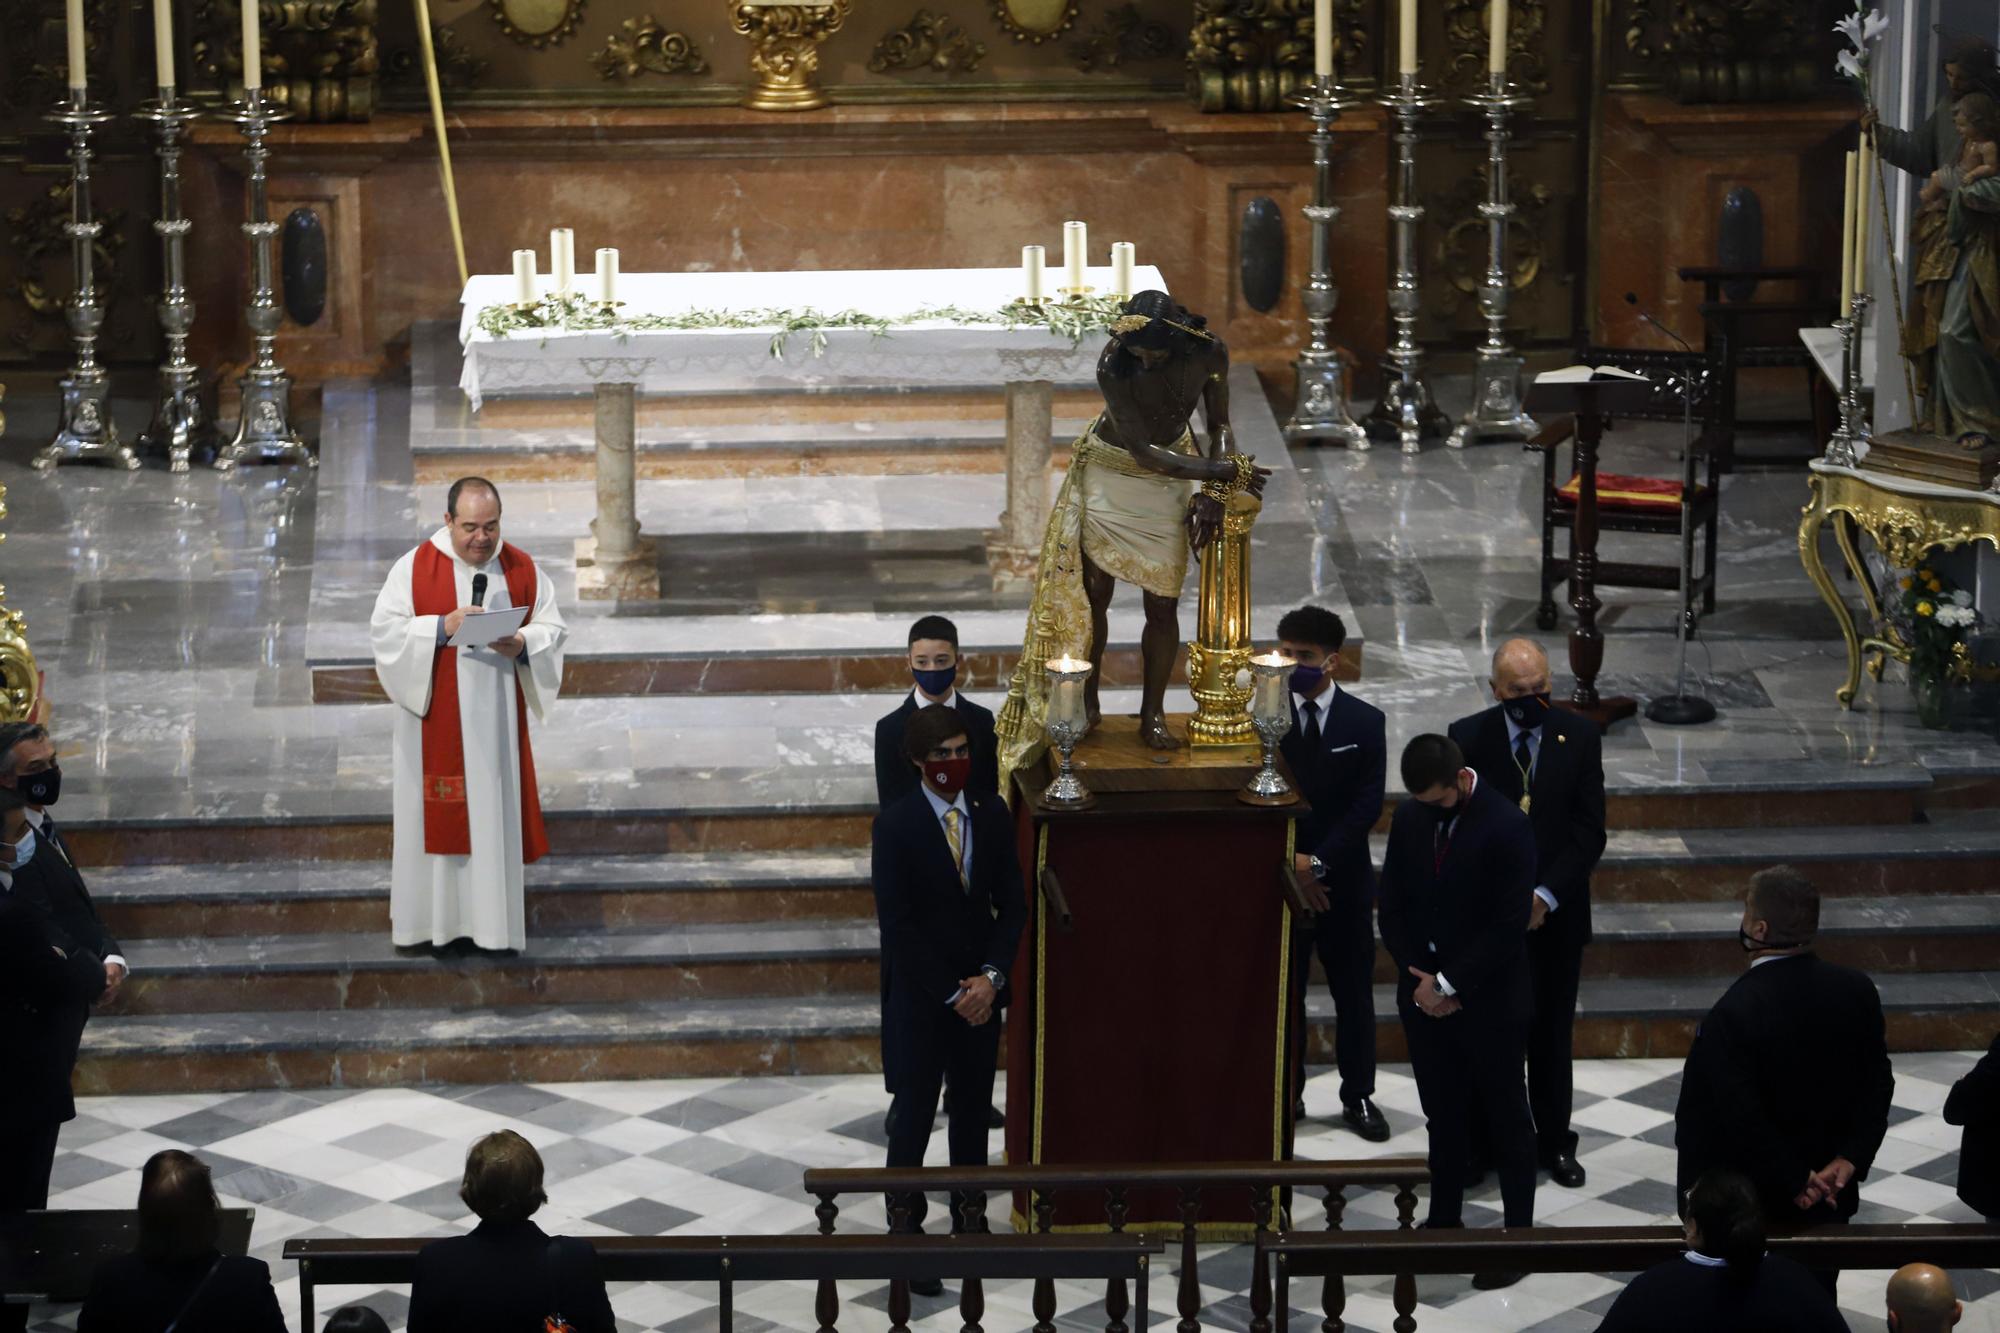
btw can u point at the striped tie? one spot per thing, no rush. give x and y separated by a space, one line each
951 836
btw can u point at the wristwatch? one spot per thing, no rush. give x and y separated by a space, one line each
1318 868
996 976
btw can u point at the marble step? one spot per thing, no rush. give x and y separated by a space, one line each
1950 855
214 974
812 1035
564 893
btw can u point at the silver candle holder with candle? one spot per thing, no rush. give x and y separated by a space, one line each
1066 722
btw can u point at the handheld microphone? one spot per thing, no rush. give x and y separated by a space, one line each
479 590
1632 299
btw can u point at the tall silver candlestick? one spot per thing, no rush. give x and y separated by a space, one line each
85 431
180 424
1321 411
1496 412
264 433
1854 428
1406 411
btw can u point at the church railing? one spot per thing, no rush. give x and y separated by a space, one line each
728 1260
1114 1184
1406 1255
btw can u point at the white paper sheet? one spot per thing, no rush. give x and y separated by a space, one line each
483 627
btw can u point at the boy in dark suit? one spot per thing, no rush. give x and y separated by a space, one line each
1788 1079
1456 883
949 902
934 669
1337 751
1551 763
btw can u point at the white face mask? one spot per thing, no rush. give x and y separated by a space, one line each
23 851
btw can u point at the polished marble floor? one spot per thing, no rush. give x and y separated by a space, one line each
707 1157
176 617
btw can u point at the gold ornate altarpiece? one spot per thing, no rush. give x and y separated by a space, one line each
1907 519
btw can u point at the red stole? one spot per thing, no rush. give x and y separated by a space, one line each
447 826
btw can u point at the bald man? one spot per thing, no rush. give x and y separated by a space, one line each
1550 763
1921 1300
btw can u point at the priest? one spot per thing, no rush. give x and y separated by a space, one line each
467 815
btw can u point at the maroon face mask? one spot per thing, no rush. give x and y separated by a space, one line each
947 777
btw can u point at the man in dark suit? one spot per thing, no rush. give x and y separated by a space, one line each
1456 883
1788 1079
1551 764
934 671
1337 751
949 901
45 994
1975 1103
51 880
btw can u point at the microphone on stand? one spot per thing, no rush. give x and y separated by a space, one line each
1681 709
479 590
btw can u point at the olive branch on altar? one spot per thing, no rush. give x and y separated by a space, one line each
574 313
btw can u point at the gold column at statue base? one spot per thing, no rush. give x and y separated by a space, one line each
20 679
1219 657
784 50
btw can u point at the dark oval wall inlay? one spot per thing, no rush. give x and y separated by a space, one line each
1739 239
1261 246
304 266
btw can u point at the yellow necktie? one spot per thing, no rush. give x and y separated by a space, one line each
957 843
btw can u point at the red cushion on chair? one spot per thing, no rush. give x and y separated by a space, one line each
1617 491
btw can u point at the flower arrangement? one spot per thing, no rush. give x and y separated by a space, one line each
1861 29
1939 618
576 313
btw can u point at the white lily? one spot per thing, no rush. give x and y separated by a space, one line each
1850 64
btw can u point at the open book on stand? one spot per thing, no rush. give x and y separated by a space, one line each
1586 375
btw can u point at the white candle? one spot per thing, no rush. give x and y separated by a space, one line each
1323 38
607 276
1124 258
253 50
1076 255
1847 236
1034 265
1066 694
562 259
1496 50
163 43
73 29
1269 696
1864 199
524 277
1406 46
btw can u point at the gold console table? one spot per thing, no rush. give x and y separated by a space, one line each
1908 519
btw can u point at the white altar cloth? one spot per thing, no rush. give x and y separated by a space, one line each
939 354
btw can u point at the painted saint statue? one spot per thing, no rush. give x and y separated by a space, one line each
1130 510
467 815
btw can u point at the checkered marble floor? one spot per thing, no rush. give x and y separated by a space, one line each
706 1156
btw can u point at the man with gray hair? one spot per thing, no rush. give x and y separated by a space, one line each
1549 762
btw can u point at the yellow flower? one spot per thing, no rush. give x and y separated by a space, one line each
1925 608
1906 583
1936 586
1923 574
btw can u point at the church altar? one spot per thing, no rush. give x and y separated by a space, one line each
615 365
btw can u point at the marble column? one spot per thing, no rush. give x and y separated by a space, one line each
615 562
1014 550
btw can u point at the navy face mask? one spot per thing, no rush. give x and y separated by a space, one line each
936 681
1306 680
41 788
1527 711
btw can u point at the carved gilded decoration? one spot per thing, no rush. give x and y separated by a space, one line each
321 57
36 233
1122 34
1249 55
1465 29
1460 259
643 46
538 24
928 41
34 70
1035 21
1723 50
20 679
784 51
460 68
1906 524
